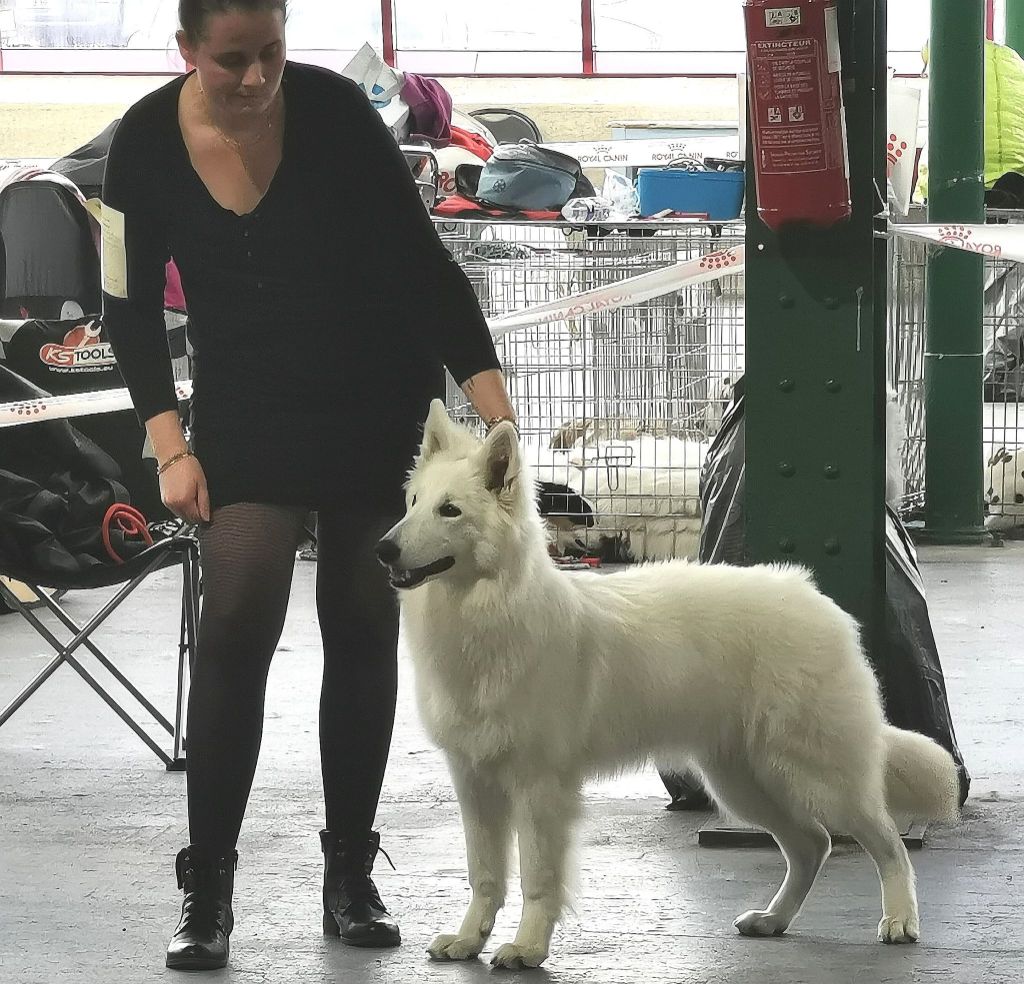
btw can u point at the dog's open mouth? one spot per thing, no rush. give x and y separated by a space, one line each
401 578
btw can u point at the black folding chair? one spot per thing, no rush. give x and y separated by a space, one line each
180 549
50 471
508 125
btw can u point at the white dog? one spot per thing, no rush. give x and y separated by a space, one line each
1005 494
533 680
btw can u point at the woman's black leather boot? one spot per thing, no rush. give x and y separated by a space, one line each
201 940
352 906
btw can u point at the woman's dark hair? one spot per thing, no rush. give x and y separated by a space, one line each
192 14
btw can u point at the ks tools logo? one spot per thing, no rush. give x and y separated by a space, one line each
81 349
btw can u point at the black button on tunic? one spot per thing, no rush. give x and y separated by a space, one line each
320 321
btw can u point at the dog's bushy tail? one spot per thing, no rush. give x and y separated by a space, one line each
920 777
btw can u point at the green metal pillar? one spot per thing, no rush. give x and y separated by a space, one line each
954 473
1015 25
815 375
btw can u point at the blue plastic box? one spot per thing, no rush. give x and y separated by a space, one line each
719 193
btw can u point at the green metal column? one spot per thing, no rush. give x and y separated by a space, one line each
1015 25
954 510
815 379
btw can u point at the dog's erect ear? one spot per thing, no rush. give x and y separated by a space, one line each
437 431
501 457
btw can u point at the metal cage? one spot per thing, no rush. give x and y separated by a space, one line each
1003 373
618 406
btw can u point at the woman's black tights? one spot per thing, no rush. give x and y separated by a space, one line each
248 552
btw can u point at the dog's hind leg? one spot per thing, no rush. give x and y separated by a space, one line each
804 842
545 814
876 832
486 820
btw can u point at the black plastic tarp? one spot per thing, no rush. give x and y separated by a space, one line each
911 680
85 165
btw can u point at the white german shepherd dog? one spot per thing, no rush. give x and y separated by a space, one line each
532 680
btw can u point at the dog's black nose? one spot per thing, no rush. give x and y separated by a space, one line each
388 551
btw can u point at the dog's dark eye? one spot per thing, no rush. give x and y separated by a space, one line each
450 510
414 500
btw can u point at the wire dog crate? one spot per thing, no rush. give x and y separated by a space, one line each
619 406
1003 374
616 406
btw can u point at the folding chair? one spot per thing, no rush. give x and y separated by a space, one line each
181 548
508 125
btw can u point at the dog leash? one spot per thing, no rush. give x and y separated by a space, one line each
130 522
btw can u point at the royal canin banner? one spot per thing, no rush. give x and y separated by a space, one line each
1001 242
1004 242
633 290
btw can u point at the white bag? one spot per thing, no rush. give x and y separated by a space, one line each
383 86
904 105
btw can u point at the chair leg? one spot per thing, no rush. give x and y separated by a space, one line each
39 680
48 670
186 648
82 637
65 655
179 696
11 599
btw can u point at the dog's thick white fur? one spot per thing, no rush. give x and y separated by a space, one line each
532 680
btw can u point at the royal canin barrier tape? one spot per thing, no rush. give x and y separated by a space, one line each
75 405
634 290
1005 242
1000 241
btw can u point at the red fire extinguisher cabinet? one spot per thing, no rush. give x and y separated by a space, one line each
798 126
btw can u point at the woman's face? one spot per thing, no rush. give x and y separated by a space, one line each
239 60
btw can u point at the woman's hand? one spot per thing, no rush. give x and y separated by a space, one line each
490 399
183 490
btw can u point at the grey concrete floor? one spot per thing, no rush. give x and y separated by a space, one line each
90 823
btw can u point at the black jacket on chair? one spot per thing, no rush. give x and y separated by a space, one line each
55 488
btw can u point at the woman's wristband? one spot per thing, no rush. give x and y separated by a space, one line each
173 460
494 421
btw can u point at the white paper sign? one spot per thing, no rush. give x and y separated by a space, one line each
113 256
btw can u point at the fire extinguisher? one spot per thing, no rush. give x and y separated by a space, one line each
798 128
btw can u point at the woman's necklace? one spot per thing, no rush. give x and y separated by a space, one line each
241 148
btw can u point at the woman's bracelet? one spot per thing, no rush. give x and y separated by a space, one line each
173 460
494 421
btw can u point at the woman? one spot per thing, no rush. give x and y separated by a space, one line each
322 307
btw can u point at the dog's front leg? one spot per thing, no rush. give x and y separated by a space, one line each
486 822
544 818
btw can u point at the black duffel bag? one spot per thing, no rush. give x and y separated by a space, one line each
74 356
56 488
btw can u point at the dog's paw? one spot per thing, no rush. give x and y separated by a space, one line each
899 929
450 946
758 923
512 956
